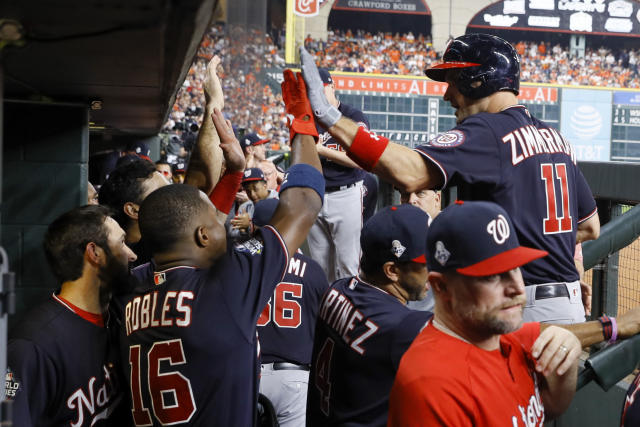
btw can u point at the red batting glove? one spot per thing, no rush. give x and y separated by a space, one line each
299 113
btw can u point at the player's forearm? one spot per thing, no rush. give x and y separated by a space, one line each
399 165
339 157
589 229
557 392
299 205
588 333
303 150
205 164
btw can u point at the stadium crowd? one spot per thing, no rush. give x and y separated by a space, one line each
409 55
250 105
253 107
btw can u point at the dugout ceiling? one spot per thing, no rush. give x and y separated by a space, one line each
132 55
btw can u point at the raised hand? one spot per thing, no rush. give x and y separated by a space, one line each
326 113
231 150
299 114
556 351
212 87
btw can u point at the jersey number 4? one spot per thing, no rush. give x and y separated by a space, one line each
286 312
553 224
171 385
323 375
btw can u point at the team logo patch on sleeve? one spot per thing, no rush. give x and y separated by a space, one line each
252 246
450 139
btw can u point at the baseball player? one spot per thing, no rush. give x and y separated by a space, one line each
497 152
62 366
429 202
285 330
473 363
254 184
254 149
334 238
188 324
364 326
127 186
631 408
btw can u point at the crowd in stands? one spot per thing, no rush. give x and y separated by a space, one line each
382 53
543 63
250 104
253 107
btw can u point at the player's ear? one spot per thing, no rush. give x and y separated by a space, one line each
391 271
131 209
94 253
436 282
202 237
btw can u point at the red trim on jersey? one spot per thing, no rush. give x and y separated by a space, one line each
434 161
96 319
284 248
588 216
373 286
513 106
175 268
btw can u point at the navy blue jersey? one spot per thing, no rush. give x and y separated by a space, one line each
336 175
361 334
287 322
631 407
370 198
62 370
528 168
188 335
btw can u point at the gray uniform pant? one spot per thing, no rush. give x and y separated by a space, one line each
334 239
563 310
287 391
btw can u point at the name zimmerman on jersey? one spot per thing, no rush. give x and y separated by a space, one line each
529 141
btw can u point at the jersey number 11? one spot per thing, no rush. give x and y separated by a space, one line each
553 224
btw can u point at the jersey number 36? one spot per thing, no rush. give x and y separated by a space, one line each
285 311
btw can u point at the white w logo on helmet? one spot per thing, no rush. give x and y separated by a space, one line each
499 229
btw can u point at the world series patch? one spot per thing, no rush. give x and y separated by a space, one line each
11 384
450 139
252 246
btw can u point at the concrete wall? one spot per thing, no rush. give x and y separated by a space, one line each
45 161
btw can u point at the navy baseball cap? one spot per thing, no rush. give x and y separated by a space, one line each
476 239
396 233
179 167
263 211
140 148
325 76
253 174
253 139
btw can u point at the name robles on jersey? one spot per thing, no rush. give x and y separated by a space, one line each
144 312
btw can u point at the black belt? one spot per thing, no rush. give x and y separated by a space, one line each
553 290
339 187
281 366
